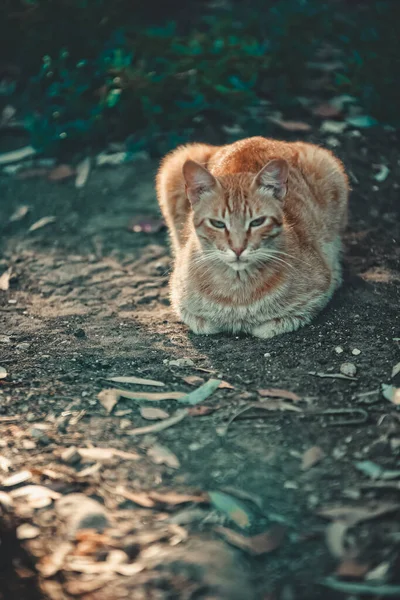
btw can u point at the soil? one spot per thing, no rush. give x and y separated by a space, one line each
88 299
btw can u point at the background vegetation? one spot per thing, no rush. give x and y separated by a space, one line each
91 71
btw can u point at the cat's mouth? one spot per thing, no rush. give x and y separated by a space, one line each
238 265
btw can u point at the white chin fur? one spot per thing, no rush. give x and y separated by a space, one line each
238 266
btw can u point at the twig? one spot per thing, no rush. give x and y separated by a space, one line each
332 376
369 589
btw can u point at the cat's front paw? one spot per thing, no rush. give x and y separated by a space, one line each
199 325
277 326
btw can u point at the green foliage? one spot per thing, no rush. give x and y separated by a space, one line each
95 70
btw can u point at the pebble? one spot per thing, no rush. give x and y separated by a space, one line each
23 346
338 349
81 512
348 369
356 352
80 333
267 355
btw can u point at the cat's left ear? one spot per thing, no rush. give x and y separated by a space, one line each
274 177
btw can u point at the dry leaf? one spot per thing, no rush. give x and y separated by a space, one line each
41 223
291 125
231 507
136 380
193 380
52 563
274 404
5 280
174 498
396 370
391 393
160 455
140 498
243 495
201 411
105 454
311 457
19 213
108 399
333 126
27 532
224 385
82 172
151 396
259 544
153 414
160 426
3 373
353 515
335 535
181 362
326 110
60 173
277 393
352 569
17 478
16 155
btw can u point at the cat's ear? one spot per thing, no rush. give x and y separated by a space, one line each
198 180
274 177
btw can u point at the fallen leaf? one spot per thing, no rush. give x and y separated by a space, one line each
5 280
114 159
19 213
5 464
224 385
277 393
333 126
17 478
105 454
380 572
331 375
232 508
256 545
146 225
391 393
161 425
153 414
311 457
201 411
108 399
60 173
243 495
355 589
174 498
352 515
140 498
362 121
16 155
136 380
382 174
27 532
41 223
201 393
3 373
181 362
335 535
160 455
187 516
326 110
193 380
151 396
375 471
396 370
82 172
89 471
52 563
351 568
291 125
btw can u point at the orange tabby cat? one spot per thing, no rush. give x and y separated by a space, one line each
255 228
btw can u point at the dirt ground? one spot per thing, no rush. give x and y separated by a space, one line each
88 299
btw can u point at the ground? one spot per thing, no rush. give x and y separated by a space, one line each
88 299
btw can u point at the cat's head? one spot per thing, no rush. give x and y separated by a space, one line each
238 218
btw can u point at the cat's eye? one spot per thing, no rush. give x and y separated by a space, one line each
217 224
258 222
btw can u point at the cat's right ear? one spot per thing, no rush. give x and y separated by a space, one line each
198 180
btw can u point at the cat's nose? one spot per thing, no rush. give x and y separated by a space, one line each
238 251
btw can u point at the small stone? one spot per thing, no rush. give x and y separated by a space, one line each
27 532
28 444
339 453
125 424
348 369
267 355
338 349
30 417
290 485
23 346
40 435
71 456
181 362
81 512
356 352
80 333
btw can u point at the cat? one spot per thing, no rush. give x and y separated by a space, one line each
256 232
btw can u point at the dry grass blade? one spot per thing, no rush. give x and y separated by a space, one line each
19 213
368 589
82 173
17 155
160 426
356 514
105 454
42 223
259 544
136 380
332 375
396 370
5 280
335 535
151 396
311 457
174 498
153 414
17 478
160 455
140 498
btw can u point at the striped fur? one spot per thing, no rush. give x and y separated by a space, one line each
263 279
